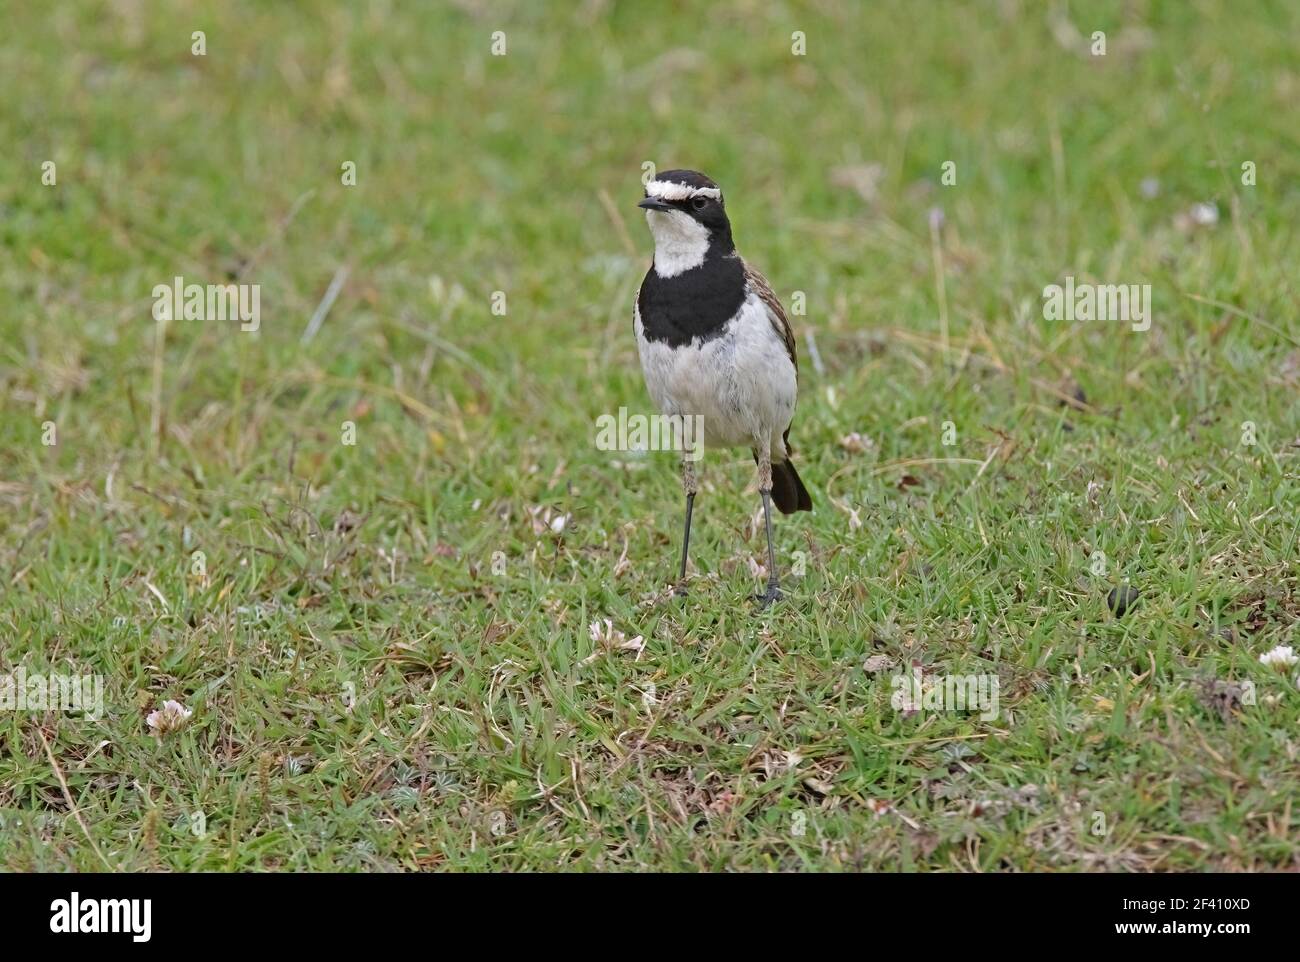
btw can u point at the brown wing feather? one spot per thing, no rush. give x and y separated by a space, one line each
775 312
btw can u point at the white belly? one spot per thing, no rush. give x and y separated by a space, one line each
741 383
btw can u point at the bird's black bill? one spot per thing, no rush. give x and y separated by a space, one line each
654 203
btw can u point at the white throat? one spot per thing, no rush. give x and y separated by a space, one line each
680 241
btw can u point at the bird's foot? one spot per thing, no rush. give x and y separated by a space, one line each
773 593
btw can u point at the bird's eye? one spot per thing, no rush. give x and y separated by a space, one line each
699 203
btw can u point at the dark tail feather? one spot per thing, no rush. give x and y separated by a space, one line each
787 490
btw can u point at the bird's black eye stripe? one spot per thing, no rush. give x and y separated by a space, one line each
699 203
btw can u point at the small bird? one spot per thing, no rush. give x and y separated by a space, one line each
715 343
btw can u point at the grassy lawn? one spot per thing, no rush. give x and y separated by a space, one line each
375 554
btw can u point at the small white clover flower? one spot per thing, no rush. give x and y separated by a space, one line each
170 717
856 443
609 638
1281 657
1206 215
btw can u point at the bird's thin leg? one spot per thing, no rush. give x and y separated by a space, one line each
773 592
690 486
